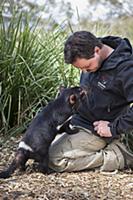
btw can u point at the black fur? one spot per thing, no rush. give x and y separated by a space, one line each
43 130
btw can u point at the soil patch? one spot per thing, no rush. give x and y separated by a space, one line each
87 185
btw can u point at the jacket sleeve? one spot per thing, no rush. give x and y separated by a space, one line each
124 122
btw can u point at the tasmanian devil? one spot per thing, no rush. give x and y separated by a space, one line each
43 129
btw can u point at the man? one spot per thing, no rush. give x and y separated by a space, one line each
107 112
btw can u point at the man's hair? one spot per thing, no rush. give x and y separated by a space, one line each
80 44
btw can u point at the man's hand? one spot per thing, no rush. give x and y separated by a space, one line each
102 128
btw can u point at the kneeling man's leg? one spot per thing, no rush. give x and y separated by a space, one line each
82 151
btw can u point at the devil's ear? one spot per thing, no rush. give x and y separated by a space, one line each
86 89
72 99
61 89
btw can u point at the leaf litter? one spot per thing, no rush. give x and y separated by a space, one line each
85 185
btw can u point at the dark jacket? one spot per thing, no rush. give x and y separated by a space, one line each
111 90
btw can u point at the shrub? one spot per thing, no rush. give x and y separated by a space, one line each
31 70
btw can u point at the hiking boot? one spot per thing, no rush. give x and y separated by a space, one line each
128 157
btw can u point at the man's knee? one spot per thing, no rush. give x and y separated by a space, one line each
57 161
74 152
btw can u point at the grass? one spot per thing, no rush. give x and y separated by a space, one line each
31 70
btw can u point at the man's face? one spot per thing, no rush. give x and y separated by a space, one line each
91 64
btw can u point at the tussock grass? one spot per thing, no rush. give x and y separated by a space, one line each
31 70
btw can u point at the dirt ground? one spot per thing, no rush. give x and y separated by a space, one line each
87 185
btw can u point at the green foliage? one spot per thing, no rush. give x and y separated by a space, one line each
31 70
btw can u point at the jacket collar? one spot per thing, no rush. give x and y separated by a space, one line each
122 52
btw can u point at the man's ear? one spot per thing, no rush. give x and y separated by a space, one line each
72 99
97 50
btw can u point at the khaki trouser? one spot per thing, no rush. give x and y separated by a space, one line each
82 151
